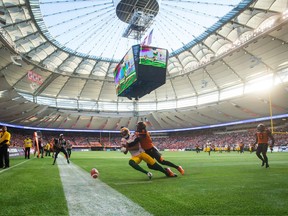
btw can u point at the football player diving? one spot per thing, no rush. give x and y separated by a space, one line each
147 144
138 154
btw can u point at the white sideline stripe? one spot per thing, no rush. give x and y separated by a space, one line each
11 167
88 196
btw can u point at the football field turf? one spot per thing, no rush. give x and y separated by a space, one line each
220 184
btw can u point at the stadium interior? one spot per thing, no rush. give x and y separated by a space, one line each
201 76
229 72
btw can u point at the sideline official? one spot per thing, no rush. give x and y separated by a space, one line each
27 145
5 137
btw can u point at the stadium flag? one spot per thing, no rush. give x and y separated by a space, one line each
144 41
150 37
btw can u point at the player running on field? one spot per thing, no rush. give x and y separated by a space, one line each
138 154
147 144
262 136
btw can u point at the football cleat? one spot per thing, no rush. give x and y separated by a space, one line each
170 173
263 163
149 174
181 170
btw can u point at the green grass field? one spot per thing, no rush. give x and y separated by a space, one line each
220 184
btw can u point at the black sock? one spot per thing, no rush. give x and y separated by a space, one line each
168 163
136 166
156 166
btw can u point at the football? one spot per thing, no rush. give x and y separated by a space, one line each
123 149
94 173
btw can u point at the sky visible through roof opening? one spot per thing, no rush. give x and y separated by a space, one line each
92 26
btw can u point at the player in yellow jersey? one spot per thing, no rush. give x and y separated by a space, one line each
208 149
251 148
138 154
147 144
262 136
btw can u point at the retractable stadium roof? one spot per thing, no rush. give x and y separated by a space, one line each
227 62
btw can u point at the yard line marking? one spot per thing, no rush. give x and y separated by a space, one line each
14 166
88 196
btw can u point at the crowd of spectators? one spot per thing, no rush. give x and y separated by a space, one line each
181 140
